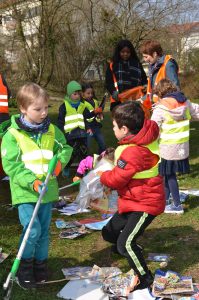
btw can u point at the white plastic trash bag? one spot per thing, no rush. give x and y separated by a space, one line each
90 186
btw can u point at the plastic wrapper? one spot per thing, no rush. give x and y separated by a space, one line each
91 188
120 285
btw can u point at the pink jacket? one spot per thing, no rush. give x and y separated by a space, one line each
85 165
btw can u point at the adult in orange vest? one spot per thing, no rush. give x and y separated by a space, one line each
160 66
4 111
124 73
4 96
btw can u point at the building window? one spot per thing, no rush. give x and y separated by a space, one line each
90 74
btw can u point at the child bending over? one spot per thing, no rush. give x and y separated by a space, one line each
140 188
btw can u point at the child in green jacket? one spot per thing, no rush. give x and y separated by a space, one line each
27 148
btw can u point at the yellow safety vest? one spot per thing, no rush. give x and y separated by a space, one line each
90 108
36 158
74 118
175 132
153 172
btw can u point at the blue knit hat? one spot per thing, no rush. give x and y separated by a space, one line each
72 87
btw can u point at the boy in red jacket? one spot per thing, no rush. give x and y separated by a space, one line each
139 186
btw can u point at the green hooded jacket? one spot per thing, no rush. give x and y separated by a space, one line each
21 178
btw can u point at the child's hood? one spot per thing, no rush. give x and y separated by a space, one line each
148 134
175 104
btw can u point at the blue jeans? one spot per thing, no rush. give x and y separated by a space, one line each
98 136
38 241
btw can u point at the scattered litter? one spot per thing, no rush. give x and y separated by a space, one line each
88 220
193 192
98 225
61 224
143 294
193 296
158 257
163 264
167 283
95 274
121 285
73 233
3 255
82 290
72 209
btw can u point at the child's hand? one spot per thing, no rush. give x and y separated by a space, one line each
98 110
99 173
76 178
89 132
58 168
38 185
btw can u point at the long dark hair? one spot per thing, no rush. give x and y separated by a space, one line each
122 44
87 85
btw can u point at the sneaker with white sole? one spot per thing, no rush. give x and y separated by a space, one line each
172 209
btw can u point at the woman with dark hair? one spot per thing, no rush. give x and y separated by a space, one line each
124 73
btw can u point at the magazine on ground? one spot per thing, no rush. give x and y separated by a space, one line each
167 283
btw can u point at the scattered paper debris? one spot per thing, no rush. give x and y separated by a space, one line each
158 257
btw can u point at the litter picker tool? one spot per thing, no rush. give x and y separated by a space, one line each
102 104
12 275
70 185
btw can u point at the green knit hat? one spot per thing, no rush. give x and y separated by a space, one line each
72 87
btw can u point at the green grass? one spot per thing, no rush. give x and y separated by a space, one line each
175 235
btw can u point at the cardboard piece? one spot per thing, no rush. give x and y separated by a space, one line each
82 290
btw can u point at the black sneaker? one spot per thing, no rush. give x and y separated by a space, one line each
25 276
40 271
145 281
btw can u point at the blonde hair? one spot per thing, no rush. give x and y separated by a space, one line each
28 93
164 87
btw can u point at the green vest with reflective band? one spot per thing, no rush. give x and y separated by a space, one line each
175 132
36 158
91 108
74 118
153 172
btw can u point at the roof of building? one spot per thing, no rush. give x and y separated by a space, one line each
184 28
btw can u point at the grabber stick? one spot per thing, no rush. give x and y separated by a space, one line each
69 185
15 266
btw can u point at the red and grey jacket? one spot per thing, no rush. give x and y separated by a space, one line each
137 194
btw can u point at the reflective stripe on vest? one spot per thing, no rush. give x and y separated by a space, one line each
175 132
36 158
3 97
74 118
114 77
90 108
153 172
160 75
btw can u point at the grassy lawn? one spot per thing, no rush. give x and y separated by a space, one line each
175 235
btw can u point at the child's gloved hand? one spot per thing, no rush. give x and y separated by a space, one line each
99 173
97 110
58 168
76 178
38 185
115 95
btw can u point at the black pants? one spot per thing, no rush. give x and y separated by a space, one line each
123 230
80 150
